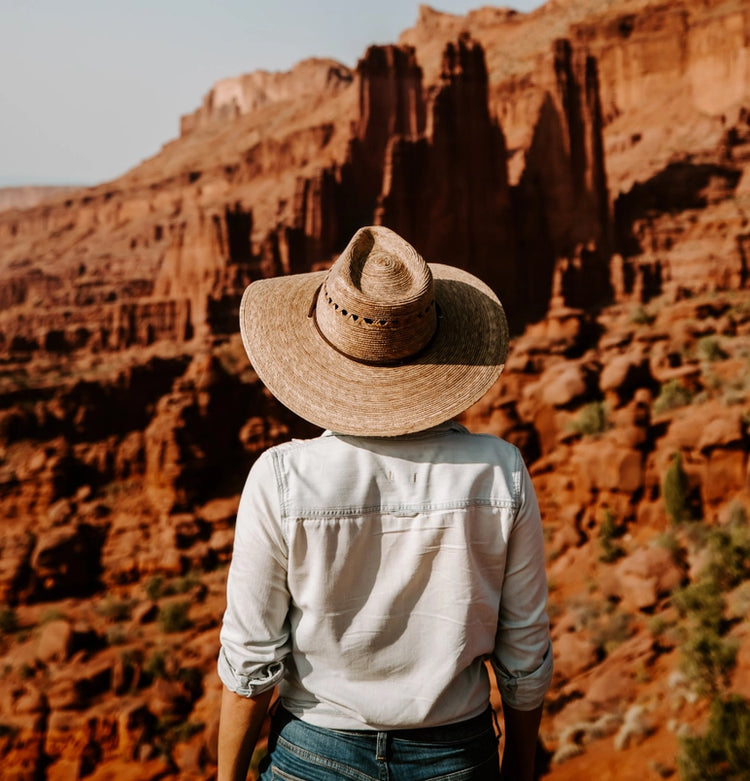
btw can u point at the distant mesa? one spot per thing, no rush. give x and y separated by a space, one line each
30 195
240 95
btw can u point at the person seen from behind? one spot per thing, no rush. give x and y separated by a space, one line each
377 567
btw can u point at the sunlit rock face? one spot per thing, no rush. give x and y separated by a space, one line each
589 164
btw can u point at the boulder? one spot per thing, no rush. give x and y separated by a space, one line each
623 375
724 476
724 429
55 641
642 578
563 384
67 560
573 653
604 465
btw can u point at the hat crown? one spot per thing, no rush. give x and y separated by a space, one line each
377 303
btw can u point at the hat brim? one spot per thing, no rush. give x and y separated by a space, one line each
325 387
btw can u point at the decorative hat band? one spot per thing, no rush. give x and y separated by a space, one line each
377 308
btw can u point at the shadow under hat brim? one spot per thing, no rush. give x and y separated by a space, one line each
325 387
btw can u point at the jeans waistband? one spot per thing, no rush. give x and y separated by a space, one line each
445 732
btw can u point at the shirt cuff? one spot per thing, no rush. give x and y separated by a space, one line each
265 677
525 691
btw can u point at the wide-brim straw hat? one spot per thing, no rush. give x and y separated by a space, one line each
381 344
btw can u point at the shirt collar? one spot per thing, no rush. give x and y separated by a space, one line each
441 428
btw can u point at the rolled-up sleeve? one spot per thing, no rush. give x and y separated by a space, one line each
255 632
522 659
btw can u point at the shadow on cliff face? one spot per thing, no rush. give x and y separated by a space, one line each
678 187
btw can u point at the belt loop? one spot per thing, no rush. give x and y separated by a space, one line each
381 751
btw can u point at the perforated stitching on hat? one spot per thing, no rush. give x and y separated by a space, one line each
371 321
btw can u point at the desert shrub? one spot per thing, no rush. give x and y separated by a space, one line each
723 752
154 587
657 626
592 419
192 679
729 563
157 587
640 316
702 600
116 635
184 583
737 515
710 350
674 490
173 617
156 665
668 540
8 620
608 533
185 730
707 658
131 658
51 614
673 394
170 729
613 630
115 609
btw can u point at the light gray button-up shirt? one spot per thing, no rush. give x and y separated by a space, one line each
371 579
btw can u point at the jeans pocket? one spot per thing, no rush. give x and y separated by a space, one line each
311 763
467 759
489 770
276 773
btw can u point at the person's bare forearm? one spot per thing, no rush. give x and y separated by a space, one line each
239 726
521 733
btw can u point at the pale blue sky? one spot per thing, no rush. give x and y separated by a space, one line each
89 88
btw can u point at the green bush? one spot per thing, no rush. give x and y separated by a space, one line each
156 665
116 610
186 729
116 635
710 350
674 489
592 419
611 631
608 532
51 614
673 394
157 587
702 600
173 617
723 753
669 541
640 316
184 583
729 564
154 587
708 659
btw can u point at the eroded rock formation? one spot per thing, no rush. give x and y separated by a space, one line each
599 186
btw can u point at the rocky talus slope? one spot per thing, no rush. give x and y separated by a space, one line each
589 160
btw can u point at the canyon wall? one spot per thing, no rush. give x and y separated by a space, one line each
533 172
585 163
428 160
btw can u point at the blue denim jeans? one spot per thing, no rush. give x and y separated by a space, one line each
298 751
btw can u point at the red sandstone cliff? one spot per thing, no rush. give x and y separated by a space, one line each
589 164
